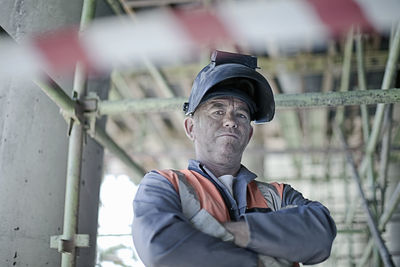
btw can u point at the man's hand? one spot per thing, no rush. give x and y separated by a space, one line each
240 231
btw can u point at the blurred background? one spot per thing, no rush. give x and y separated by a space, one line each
301 146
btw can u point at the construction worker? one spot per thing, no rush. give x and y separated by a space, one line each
214 213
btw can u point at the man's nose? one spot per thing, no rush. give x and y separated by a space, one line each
229 120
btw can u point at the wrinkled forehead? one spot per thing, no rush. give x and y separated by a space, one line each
224 102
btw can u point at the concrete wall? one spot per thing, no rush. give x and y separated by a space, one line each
33 150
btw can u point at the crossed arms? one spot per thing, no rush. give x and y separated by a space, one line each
164 237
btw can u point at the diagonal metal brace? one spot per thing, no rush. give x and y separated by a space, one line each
68 246
73 110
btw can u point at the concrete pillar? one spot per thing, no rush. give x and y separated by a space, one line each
33 151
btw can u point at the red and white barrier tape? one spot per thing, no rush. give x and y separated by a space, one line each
166 36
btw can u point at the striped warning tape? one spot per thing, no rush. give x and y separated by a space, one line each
166 36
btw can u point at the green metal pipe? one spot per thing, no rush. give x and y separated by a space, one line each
75 148
385 152
146 105
306 100
351 231
88 12
391 207
158 78
390 71
331 99
384 219
362 83
115 6
383 251
120 84
366 254
346 68
55 93
72 194
364 112
375 61
344 87
80 78
364 118
106 141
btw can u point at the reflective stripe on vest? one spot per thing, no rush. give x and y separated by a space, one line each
200 218
272 194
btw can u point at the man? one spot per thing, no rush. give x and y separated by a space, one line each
214 213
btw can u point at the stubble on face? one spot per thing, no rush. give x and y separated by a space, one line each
221 131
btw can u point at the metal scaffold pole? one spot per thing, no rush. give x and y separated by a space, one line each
388 78
304 100
103 139
383 251
384 219
362 83
72 196
364 112
68 243
339 118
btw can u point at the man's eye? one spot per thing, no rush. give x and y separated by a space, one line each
243 116
219 112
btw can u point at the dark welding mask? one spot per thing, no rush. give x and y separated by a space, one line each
230 74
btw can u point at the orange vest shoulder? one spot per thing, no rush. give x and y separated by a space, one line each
208 195
210 198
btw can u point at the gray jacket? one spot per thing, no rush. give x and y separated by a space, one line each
163 236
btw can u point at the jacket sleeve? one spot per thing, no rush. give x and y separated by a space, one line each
164 237
302 232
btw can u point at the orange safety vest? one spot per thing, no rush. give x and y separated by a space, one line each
205 208
259 195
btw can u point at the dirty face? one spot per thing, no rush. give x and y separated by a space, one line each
220 130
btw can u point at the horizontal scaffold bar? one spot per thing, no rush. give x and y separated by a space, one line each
330 99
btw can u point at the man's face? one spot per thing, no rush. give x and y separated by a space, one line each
220 129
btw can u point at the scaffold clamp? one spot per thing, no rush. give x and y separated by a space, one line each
90 109
67 246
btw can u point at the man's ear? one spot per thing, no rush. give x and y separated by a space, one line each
188 124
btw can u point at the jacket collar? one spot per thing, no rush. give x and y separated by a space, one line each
238 203
244 173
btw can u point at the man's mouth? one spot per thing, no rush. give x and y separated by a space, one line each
229 135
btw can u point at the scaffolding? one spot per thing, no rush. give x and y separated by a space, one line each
80 111
83 110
